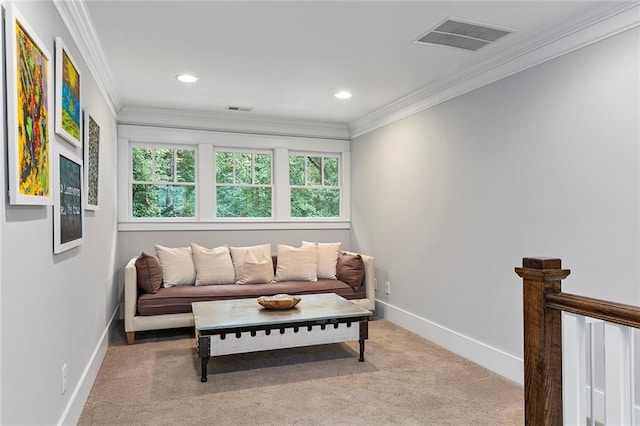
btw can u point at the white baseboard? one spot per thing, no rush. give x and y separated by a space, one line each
489 357
80 394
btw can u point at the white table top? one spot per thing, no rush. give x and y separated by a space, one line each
239 313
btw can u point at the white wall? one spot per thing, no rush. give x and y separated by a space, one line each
55 309
543 163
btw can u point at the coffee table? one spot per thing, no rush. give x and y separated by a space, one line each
226 327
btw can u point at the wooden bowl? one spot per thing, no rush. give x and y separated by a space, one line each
279 301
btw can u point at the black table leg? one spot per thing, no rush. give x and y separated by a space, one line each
364 335
204 369
204 347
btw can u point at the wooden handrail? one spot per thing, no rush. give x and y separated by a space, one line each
543 303
618 313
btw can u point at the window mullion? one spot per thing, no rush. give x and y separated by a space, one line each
253 169
344 183
175 165
233 161
205 186
153 165
281 192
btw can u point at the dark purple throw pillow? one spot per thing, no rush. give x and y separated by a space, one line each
350 269
149 273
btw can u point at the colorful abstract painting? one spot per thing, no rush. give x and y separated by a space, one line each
92 161
32 116
68 106
29 122
68 208
70 97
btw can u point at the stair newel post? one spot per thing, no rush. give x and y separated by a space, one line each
542 341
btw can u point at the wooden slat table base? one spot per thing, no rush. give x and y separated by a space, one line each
268 337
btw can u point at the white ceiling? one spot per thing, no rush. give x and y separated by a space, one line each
287 59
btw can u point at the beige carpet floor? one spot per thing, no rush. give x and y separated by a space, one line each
404 380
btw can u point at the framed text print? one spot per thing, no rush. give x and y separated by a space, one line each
28 113
91 161
68 211
68 107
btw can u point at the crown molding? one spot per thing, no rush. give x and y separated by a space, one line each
584 30
78 21
80 25
617 17
201 120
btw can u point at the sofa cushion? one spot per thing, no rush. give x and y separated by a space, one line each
297 263
327 258
256 271
178 299
237 256
350 269
213 266
177 265
149 273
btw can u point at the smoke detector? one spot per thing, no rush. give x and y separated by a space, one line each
461 34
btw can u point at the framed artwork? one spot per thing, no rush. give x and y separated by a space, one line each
68 211
68 107
29 124
91 161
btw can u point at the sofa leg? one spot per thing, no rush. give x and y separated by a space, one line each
131 337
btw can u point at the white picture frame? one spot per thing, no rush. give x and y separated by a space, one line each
68 208
30 132
91 162
68 100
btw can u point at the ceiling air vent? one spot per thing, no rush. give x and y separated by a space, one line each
239 108
463 35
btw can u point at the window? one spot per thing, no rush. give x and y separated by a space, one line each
315 186
163 182
243 184
184 179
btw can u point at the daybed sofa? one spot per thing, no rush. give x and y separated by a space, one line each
170 306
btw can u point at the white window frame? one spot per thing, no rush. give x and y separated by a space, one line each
206 142
216 150
132 182
339 186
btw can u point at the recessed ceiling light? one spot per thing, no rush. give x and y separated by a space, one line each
343 95
187 78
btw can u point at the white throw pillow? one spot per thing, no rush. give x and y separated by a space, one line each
213 266
177 265
297 263
327 259
237 256
256 271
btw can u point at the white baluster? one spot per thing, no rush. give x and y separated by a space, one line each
573 369
592 374
618 370
635 418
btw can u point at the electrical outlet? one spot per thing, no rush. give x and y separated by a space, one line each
64 379
375 284
387 287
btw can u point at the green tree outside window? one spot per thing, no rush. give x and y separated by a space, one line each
163 182
315 190
243 185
